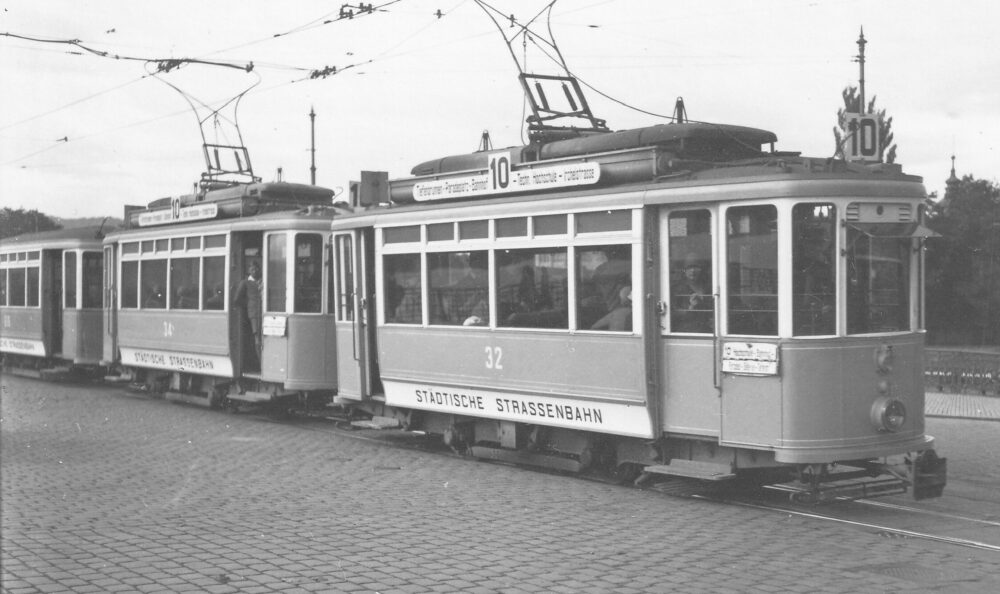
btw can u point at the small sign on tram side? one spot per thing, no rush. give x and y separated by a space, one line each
750 358
502 178
862 142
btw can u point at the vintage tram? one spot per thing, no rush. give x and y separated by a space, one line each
216 298
50 301
676 300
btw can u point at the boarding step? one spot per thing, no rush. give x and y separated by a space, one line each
54 373
377 423
841 490
197 399
23 372
521 457
709 471
119 379
252 396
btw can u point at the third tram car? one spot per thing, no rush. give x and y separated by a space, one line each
50 301
679 299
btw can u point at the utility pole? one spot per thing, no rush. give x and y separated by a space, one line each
312 149
861 62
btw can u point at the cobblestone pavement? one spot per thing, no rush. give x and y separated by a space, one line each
107 492
962 406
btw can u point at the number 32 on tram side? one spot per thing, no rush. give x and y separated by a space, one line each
662 301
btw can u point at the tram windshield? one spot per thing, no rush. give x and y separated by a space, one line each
878 283
814 265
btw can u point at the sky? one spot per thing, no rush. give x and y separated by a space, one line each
83 135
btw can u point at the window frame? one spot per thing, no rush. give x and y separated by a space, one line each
143 251
570 237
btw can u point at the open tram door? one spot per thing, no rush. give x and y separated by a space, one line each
245 310
354 291
110 354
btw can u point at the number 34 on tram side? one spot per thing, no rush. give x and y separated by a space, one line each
674 300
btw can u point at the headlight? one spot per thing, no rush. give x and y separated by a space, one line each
888 414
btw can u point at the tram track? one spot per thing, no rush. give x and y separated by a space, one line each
880 528
841 511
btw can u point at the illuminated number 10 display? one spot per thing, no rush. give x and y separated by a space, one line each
499 171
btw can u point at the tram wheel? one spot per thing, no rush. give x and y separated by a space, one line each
627 472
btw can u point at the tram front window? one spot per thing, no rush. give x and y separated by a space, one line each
308 273
752 250
878 283
814 266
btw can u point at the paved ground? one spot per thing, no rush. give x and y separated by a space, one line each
963 406
105 492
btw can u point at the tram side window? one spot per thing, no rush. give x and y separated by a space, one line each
878 283
130 285
814 265
458 288
752 275
93 265
33 278
604 288
308 273
532 288
403 302
277 262
153 282
692 298
184 283
3 287
69 285
214 282
17 276
344 279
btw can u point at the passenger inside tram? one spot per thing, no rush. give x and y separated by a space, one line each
693 304
466 301
618 319
603 273
156 298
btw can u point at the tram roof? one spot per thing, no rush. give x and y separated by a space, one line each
89 236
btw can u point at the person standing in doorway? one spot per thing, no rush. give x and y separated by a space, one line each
247 300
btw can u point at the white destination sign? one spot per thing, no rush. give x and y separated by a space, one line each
750 358
187 363
274 325
501 179
178 215
603 417
22 346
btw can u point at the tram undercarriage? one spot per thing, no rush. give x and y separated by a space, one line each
224 393
642 462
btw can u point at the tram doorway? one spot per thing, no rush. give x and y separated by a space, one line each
51 300
245 311
688 323
354 292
